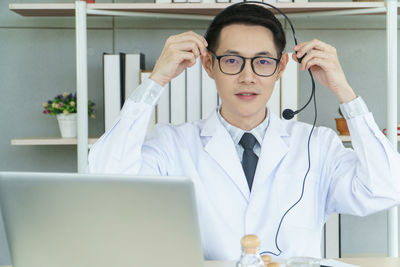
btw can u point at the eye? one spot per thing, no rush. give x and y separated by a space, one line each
231 60
264 61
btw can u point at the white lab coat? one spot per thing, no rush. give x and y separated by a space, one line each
341 180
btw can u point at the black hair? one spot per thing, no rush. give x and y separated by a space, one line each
246 14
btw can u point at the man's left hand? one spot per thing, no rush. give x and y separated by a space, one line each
324 64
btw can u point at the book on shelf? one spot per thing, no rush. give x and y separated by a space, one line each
178 99
163 104
238 1
121 74
289 86
209 96
143 76
193 92
274 102
133 64
112 89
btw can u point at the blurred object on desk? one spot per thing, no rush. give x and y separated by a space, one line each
362 262
250 252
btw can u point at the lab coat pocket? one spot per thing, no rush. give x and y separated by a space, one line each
304 214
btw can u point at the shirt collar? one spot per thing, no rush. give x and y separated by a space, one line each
237 133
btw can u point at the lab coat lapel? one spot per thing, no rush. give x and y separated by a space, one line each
273 149
222 149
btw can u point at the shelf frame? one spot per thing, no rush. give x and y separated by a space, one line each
35 141
391 119
82 85
80 9
44 141
198 9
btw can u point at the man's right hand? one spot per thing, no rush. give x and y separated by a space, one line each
179 52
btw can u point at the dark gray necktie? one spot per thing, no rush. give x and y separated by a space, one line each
250 159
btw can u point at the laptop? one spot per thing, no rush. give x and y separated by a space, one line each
85 220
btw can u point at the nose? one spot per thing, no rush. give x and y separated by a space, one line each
247 76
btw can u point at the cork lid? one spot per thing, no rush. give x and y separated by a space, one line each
250 243
273 264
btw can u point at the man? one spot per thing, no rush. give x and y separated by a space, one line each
246 189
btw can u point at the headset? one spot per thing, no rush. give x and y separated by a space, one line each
289 114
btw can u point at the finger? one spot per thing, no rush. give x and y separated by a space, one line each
194 37
311 55
305 46
315 44
201 47
186 58
294 57
200 37
187 47
317 62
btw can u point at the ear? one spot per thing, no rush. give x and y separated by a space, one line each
207 62
282 65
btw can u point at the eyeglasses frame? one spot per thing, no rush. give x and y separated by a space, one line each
244 63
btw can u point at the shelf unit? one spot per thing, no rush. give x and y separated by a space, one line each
205 11
181 10
35 141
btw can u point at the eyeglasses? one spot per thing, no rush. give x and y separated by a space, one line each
234 64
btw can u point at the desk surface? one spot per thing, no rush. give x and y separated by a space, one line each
373 262
363 262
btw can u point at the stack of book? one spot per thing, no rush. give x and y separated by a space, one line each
227 1
188 97
121 74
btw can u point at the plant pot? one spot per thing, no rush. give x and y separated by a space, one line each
341 126
67 124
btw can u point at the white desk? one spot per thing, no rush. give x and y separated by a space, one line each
363 262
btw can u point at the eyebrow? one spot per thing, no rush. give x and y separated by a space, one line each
262 53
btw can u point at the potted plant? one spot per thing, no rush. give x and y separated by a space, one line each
341 124
64 107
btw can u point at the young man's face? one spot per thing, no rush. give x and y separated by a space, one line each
238 107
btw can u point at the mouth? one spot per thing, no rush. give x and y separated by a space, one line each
246 96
